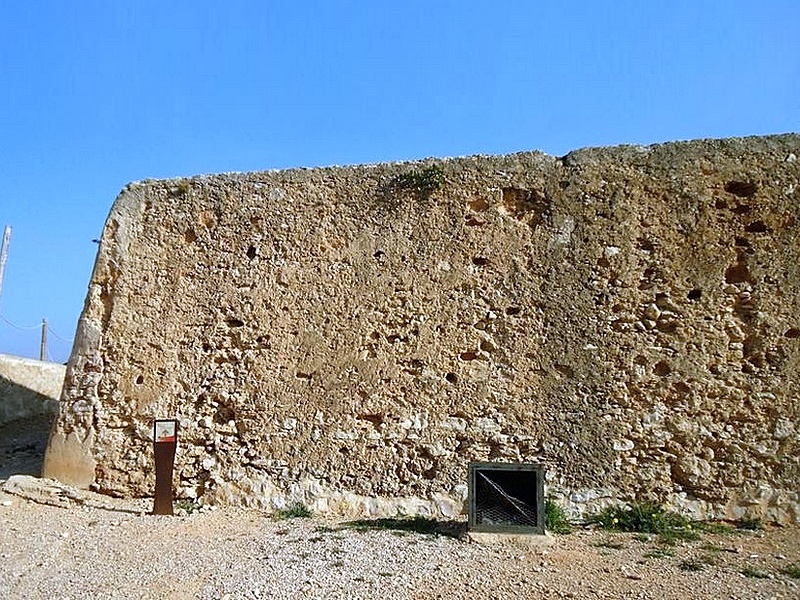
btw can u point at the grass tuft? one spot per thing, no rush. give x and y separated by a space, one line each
554 518
421 183
187 505
660 553
749 524
755 573
792 570
692 564
714 527
646 517
607 543
298 510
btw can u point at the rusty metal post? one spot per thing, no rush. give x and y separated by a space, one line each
165 441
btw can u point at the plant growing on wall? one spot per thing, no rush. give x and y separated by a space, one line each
422 182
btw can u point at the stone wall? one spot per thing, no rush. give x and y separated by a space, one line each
28 388
352 337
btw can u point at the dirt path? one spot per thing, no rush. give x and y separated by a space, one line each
99 547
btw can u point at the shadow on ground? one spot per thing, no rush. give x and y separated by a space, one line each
404 525
22 446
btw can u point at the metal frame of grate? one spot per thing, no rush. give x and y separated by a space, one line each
506 497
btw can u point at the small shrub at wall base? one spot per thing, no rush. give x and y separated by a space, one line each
646 518
295 511
749 524
187 505
554 518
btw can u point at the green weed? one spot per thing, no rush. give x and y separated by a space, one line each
554 518
749 524
792 570
714 527
755 573
187 505
422 182
692 564
298 510
660 553
646 518
608 543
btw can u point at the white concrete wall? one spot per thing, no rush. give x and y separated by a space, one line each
28 387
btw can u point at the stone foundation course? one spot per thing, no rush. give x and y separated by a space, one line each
352 337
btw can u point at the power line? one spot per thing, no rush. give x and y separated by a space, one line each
55 335
20 327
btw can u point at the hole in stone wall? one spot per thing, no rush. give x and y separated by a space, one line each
478 205
524 204
756 227
139 380
190 236
251 252
742 242
472 221
662 368
468 356
376 419
665 326
451 377
792 333
487 346
301 375
379 254
720 204
513 310
234 322
224 414
694 294
480 261
737 273
645 245
681 388
741 209
565 370
649 277
743 189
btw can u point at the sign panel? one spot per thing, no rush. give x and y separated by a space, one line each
166 431
165 441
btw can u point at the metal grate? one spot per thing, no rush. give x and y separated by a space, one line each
506 497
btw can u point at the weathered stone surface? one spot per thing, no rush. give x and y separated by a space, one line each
43 491
352 337
28 388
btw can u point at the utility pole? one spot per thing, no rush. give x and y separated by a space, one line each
4 255
43 346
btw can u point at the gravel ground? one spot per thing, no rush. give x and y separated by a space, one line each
98 547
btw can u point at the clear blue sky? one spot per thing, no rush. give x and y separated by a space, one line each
94 94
